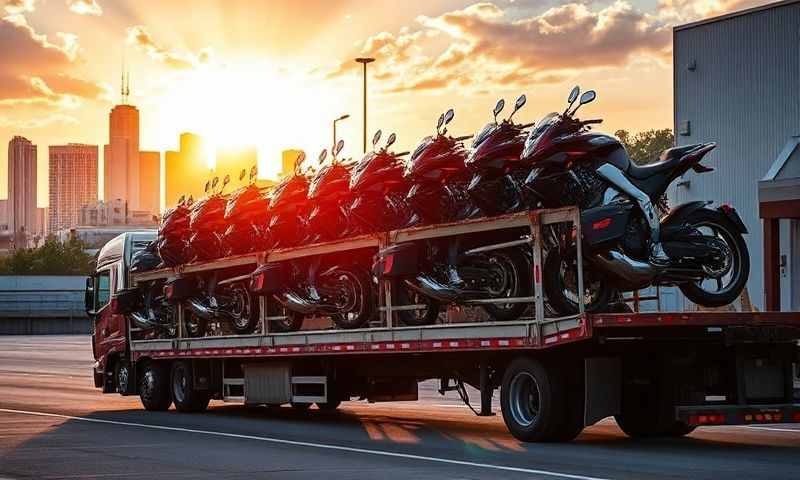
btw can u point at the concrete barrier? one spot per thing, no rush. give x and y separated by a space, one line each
31 305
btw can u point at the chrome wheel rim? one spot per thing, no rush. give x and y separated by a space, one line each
722 278
179 384
525 399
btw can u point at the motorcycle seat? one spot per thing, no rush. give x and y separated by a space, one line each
668 159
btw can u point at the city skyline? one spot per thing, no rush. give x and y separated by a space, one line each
275 76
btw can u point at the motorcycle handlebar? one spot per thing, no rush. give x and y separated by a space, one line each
527 125
465 137
401 154
594 121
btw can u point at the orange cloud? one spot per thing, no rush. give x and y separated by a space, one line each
141 38
19 6
84 7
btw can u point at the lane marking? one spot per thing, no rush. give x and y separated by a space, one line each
340 448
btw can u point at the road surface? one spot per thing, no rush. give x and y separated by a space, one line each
55 425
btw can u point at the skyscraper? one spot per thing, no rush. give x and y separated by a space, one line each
73 183
121 168
150 182
288 159
185 171
22 188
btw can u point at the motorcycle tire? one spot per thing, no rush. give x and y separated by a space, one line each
402 294
291 322
741 267
520 272
359 310
553 285
244 309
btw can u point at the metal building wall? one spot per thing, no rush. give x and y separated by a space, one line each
737 83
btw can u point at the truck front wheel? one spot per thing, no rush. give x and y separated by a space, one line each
532 401
186 397
154 387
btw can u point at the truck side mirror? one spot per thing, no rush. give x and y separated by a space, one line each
88 295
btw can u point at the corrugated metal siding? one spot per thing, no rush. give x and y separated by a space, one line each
745 95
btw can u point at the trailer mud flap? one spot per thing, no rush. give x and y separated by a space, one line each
603 382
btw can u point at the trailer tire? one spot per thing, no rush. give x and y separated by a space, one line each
154 387
532 401
330 406
187 399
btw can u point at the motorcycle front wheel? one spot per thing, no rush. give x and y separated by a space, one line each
727 275
560 284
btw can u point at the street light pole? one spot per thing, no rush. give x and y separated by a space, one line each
333 145
364 61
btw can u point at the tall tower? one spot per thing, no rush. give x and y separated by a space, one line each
22 189
73 183
121 170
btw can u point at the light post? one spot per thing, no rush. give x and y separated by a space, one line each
364 61
333 145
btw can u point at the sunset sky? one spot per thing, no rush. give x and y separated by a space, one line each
274 74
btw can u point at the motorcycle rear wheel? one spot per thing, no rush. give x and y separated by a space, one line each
739 270
243 309
291 322
562 297
402 294
513 272
355 300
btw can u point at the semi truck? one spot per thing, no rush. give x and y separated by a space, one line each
657 373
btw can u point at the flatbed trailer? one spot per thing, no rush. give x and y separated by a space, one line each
658 373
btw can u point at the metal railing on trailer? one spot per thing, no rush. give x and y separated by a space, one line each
539 331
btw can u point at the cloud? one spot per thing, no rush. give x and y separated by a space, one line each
35 69
84 7
141 38
488 44
19 6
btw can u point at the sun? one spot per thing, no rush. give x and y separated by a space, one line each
252 104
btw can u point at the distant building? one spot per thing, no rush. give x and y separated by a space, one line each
73 183
232 161
94 237
21 189
115 212
121 170
149 182
3 215
185 171
288 159
41 222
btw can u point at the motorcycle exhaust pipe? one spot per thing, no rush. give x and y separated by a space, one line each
634 273
201 310
297 303
140 321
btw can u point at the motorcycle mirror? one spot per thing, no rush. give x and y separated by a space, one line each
588 97
214 182
498 108
448 117
573 95
253 172
391 140
518 104
208 185
226 180
339 147
297 163
180 200
440 123
242 174
376 138
323 155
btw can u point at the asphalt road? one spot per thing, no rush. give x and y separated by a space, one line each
55 425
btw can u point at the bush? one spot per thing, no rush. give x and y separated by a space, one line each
52 258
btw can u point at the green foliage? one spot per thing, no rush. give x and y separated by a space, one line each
52 258
645 147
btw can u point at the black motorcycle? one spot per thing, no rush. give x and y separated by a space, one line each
470 268
621 204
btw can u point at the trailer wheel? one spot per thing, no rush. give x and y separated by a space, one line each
154 387
186 397
532 401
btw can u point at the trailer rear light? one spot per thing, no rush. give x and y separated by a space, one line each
169 291
388 263
775 417
258 282
707 419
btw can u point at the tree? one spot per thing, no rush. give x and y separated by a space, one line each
52 258
645 147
